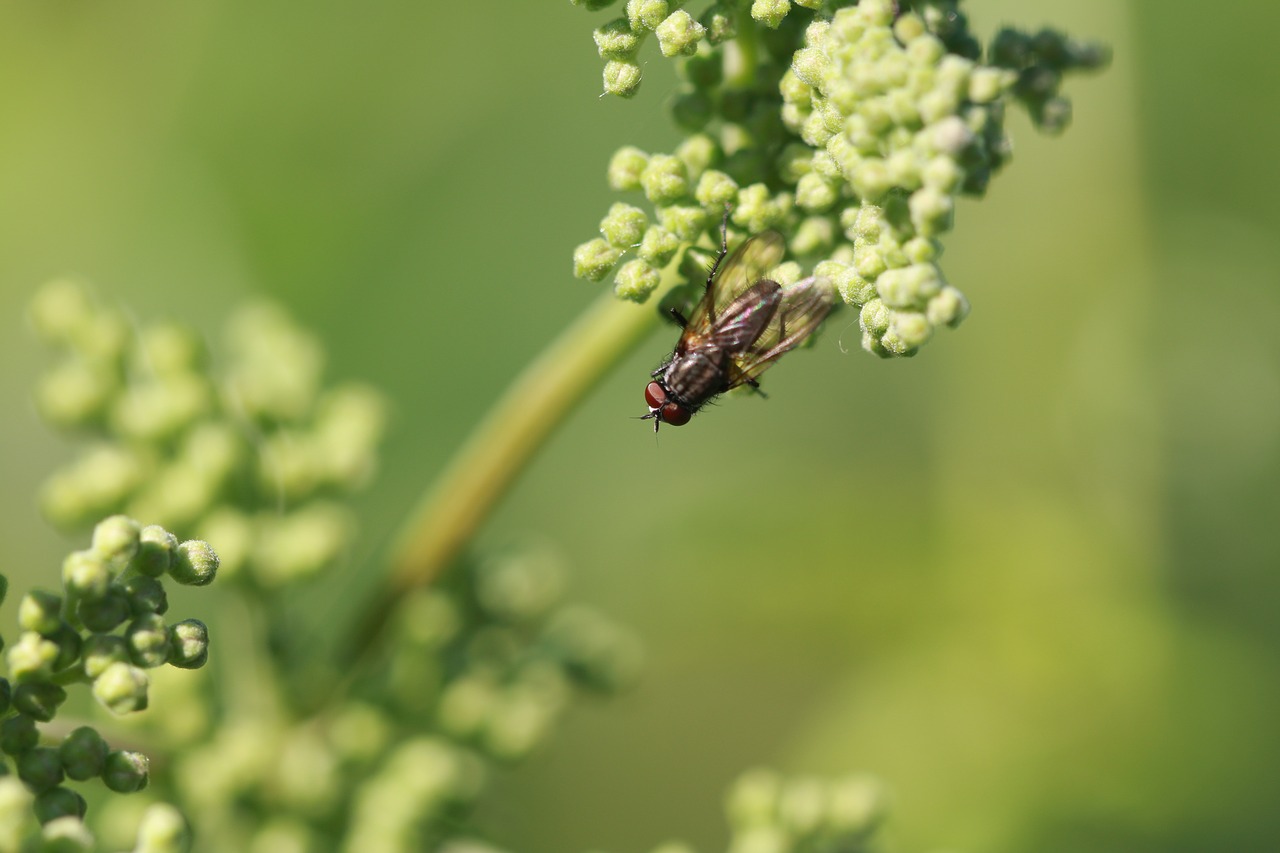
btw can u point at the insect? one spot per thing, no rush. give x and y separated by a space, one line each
743 323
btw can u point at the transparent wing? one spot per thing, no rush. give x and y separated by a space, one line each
801 309
742 269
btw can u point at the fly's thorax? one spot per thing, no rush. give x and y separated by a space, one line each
696 377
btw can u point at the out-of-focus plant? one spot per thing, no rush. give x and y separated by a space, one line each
849 127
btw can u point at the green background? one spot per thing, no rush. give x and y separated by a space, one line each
1029 578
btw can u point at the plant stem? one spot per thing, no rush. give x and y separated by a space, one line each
540 399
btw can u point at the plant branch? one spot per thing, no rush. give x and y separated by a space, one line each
455 506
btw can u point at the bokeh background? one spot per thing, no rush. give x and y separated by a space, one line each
1028 578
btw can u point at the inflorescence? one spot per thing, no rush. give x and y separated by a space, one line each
106 629
850 128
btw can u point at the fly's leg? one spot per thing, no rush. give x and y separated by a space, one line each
724 244
679 318
755 386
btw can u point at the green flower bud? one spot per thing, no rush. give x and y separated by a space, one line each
665 179
156 547
39 700
685 222
86 574
18 734
145 595
121 689
106 613
102 650
814 193
785 274
658 247
875 317
871 179
75 393
593 5
757 211
61 813
815 235
621 78
692 110
616 40
623 226
678 34
83 754
595 259
41 612
948 308
163 828
802 806
188 644
60 309
467 703
931 212
636 280
157 411
856 805
753 799
698 152
909 287
126 772
299 544
625 168
194 564
705 69
147 639
40 768
646 14
715 189
6 696
167 349
770 12
116 540
908 331
32 657
719 22
595 652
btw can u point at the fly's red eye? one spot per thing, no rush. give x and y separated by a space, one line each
654 395
675 414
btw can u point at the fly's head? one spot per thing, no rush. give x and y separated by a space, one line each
662 408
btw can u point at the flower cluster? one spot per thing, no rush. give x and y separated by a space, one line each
212 454
850 128
106 628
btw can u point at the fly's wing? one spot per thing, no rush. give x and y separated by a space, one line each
801 309
746 318
746 266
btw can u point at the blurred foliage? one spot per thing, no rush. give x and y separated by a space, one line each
1029 579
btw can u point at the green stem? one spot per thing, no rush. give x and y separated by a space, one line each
541 398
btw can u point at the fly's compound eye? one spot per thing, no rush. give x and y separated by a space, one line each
675 414
655 396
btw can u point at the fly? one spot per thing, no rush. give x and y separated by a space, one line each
743 323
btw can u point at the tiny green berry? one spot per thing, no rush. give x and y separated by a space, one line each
595 259
121 689
188 644
636 280
39 700
126 772
40 768
194 564
83 754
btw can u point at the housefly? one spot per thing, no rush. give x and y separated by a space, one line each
743 323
